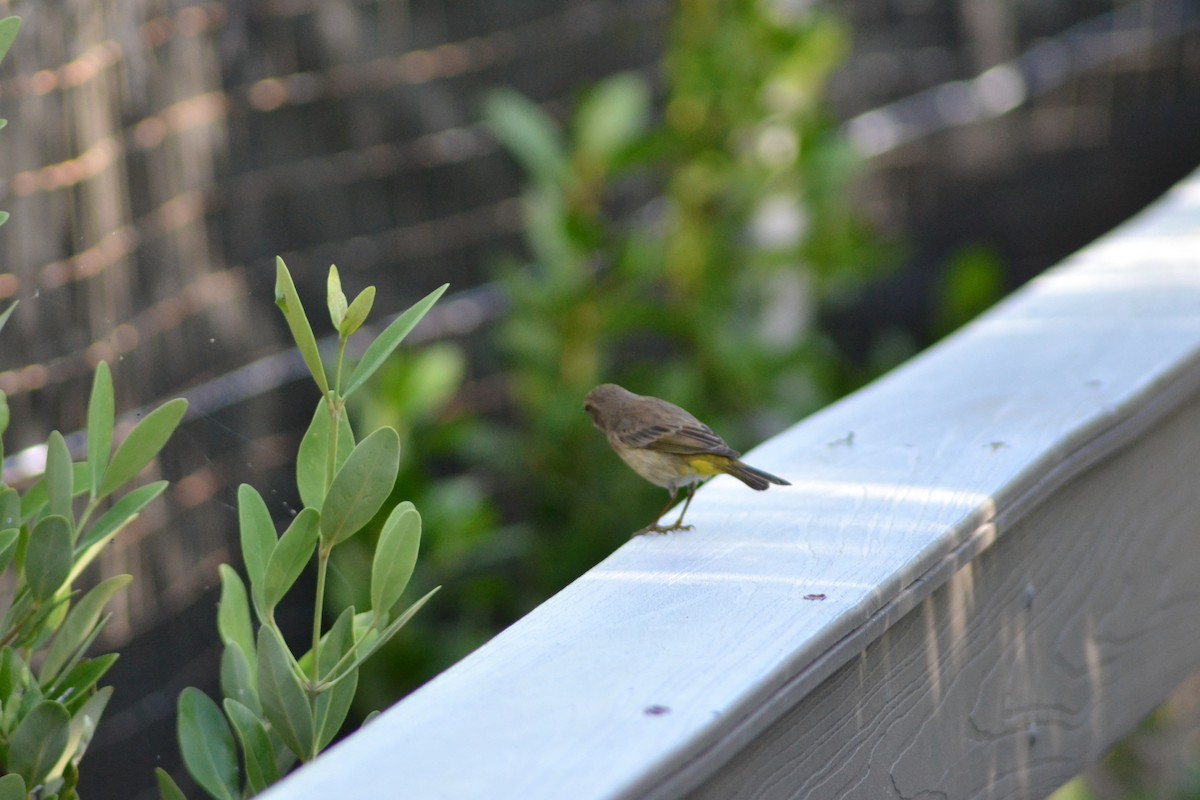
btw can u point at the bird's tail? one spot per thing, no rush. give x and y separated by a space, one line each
756 479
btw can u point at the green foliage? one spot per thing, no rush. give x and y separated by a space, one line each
688 254
48 537
279 709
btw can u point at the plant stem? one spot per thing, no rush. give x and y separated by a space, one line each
322 568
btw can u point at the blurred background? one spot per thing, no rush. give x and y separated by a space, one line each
749 207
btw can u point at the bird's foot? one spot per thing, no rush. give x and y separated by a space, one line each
656 528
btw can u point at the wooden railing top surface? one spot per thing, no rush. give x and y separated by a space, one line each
666 658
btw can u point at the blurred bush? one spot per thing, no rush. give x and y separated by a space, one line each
684 245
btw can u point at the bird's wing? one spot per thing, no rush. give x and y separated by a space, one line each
673 430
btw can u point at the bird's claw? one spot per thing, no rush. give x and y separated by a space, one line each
661 529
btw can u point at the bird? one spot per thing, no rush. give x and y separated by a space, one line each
667 446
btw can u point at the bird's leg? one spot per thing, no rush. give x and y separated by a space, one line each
679 526
653 527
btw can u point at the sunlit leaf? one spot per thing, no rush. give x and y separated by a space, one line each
141 445
335 298
383 346
361 486
206 744
357 313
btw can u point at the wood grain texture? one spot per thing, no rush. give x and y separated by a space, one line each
846 630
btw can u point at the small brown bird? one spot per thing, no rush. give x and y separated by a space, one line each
667 446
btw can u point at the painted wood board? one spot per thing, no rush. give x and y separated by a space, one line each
648 674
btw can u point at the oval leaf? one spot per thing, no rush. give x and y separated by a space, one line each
141 445
612 117
291 554
257 536
237 681
257 752
206 744
8 546
356 314
99 425
233 613
38 742
288 301
12 787
8 34
335 298
380 349
529 134
48 557
58 476
312 457
395 558
361 486
78 626
283 699
167 788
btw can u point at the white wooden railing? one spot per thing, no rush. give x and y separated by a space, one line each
987 569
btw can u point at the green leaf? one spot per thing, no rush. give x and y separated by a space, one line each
313 452
8 546
8 34
395 557
291 554
39 742
83 727
80 622
48 556
12 787
206 744
58 476
368 648
529 134
612 117
5 414
293 312
335 298
383 346
72 689
10 507
167 788
233 613
258 539
356 315
333 704
99 424
237 678
361 486
112 522
257 752
141 445
284 701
